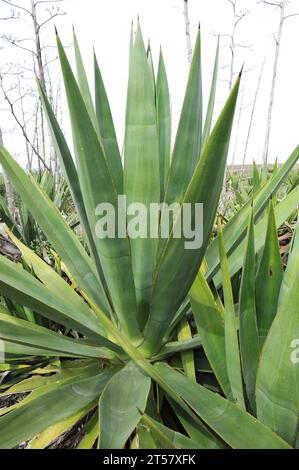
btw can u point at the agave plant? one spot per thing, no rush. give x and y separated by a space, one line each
139 371
22 223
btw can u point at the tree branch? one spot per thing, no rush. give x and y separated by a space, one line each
14 42
49 19
21 126
273 4
290 16
47 1
187 26
17 6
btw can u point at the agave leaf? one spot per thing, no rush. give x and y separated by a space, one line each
56 402
97 187
22 287
84 86
46 437
184 333
166 437
210 327
187 145
282 211
64 241
141 173
16 349
107 130
278 375
90 431
211 104
70 173
233 361
249 340
256 179
52 280
9 367
139 359
196 429
149 56
143 439
27 333
7 217
268 279
123 399
221 415
235 230
185 345
164 123
178 266
65 374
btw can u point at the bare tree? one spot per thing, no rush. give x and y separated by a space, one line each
39 18
238 127
238 16
21 123
251 116
233 44
282 17
187 28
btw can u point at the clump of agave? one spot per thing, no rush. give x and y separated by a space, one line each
136 350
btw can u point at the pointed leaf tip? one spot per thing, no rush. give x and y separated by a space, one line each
241 71
55 29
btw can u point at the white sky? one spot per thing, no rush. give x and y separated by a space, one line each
106 25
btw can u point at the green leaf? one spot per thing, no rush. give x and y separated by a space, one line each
249 340
123 399
46 437
53 281
143 439
50 405
221 415
178 346
65 372
235 230
58 233
151 67
232 353
211 104
7 217
141 173
282 212
90 431
97 187
277 384
210 327
187 145
71 176
23 332
268 279
256 179
23 288
164 123
166 437
107 130
196 429
178 266
184 333
84 86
